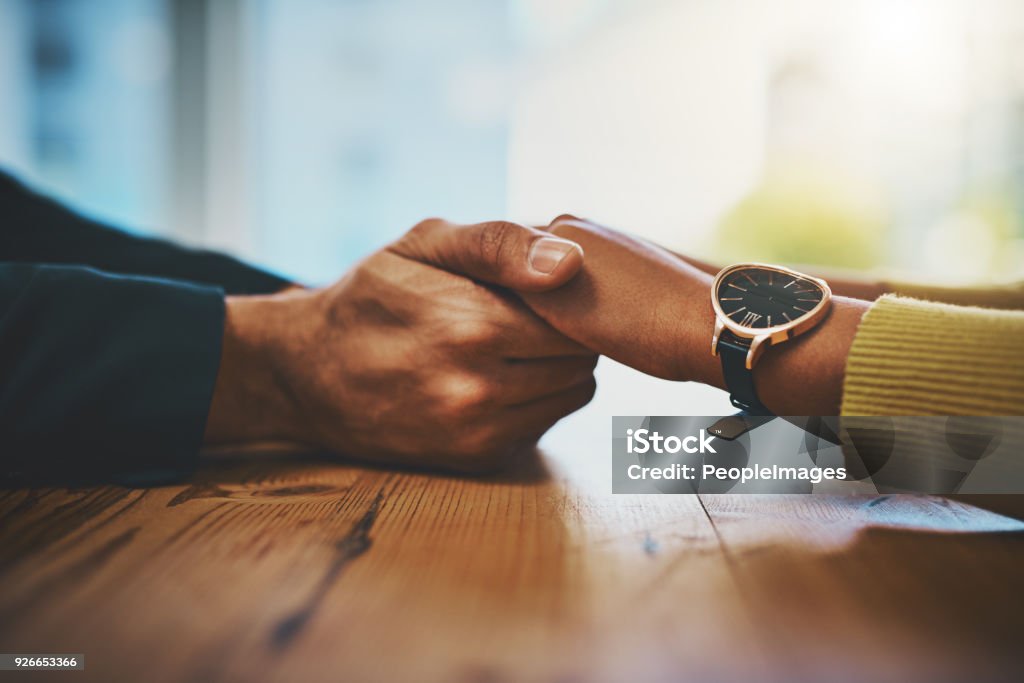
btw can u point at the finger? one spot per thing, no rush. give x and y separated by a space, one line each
632 302
523 335
498 252
560 218
525 381
564 218
530 420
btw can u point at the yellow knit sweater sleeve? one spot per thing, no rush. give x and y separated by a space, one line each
913 357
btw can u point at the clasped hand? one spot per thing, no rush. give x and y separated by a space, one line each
458 346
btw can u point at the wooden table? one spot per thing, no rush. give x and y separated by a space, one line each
286 568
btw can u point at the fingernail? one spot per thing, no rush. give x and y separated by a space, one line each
547 252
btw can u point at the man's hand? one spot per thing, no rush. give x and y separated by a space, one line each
405 359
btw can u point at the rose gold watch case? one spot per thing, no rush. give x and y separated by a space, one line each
762 337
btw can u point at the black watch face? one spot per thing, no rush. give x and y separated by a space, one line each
759 298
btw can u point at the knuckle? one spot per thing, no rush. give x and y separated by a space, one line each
497 240
419 234
474 334
425 227
563 218
364 276
465 396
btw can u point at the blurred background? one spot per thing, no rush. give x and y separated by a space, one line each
303 134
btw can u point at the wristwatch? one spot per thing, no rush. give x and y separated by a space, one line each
758 305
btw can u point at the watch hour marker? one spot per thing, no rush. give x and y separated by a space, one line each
814 300
732 284
730 298
769 321
752 280
802 310
750 318
791 282
786 316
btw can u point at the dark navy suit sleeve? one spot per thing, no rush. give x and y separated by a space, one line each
36 229
109 344
104 376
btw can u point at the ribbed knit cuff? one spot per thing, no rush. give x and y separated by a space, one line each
913 357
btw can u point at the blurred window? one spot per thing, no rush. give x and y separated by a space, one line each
303 134
868 134
372 116
85 88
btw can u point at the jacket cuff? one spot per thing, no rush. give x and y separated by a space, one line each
117 380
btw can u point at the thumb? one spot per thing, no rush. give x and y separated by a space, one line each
500 253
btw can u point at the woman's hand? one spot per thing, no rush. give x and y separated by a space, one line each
633 302
646 307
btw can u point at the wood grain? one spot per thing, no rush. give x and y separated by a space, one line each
285 568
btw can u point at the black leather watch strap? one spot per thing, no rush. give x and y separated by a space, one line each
738 379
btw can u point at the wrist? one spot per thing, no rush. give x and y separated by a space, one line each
252 400
802 376
807 377
695 361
